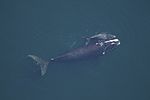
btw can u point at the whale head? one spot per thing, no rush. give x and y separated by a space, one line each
111 40
107 41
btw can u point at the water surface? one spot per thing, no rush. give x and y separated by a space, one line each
47 28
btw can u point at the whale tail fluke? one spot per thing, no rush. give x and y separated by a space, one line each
42 63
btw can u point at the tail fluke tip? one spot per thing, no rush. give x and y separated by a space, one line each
42 63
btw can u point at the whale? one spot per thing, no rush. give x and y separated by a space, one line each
95 46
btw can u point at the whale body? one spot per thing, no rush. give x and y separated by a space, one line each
95 46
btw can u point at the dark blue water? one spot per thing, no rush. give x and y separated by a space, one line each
47 28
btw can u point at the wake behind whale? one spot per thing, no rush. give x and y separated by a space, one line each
94 46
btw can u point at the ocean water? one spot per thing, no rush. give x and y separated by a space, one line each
47 28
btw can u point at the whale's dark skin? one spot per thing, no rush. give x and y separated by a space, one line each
95 46
80 53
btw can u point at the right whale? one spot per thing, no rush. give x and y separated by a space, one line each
95 46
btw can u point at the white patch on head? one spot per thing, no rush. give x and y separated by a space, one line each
114 36
96 43
100 43
112 43
114 40
52 58
103 52
118 43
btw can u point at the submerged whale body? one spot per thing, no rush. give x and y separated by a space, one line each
95 45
